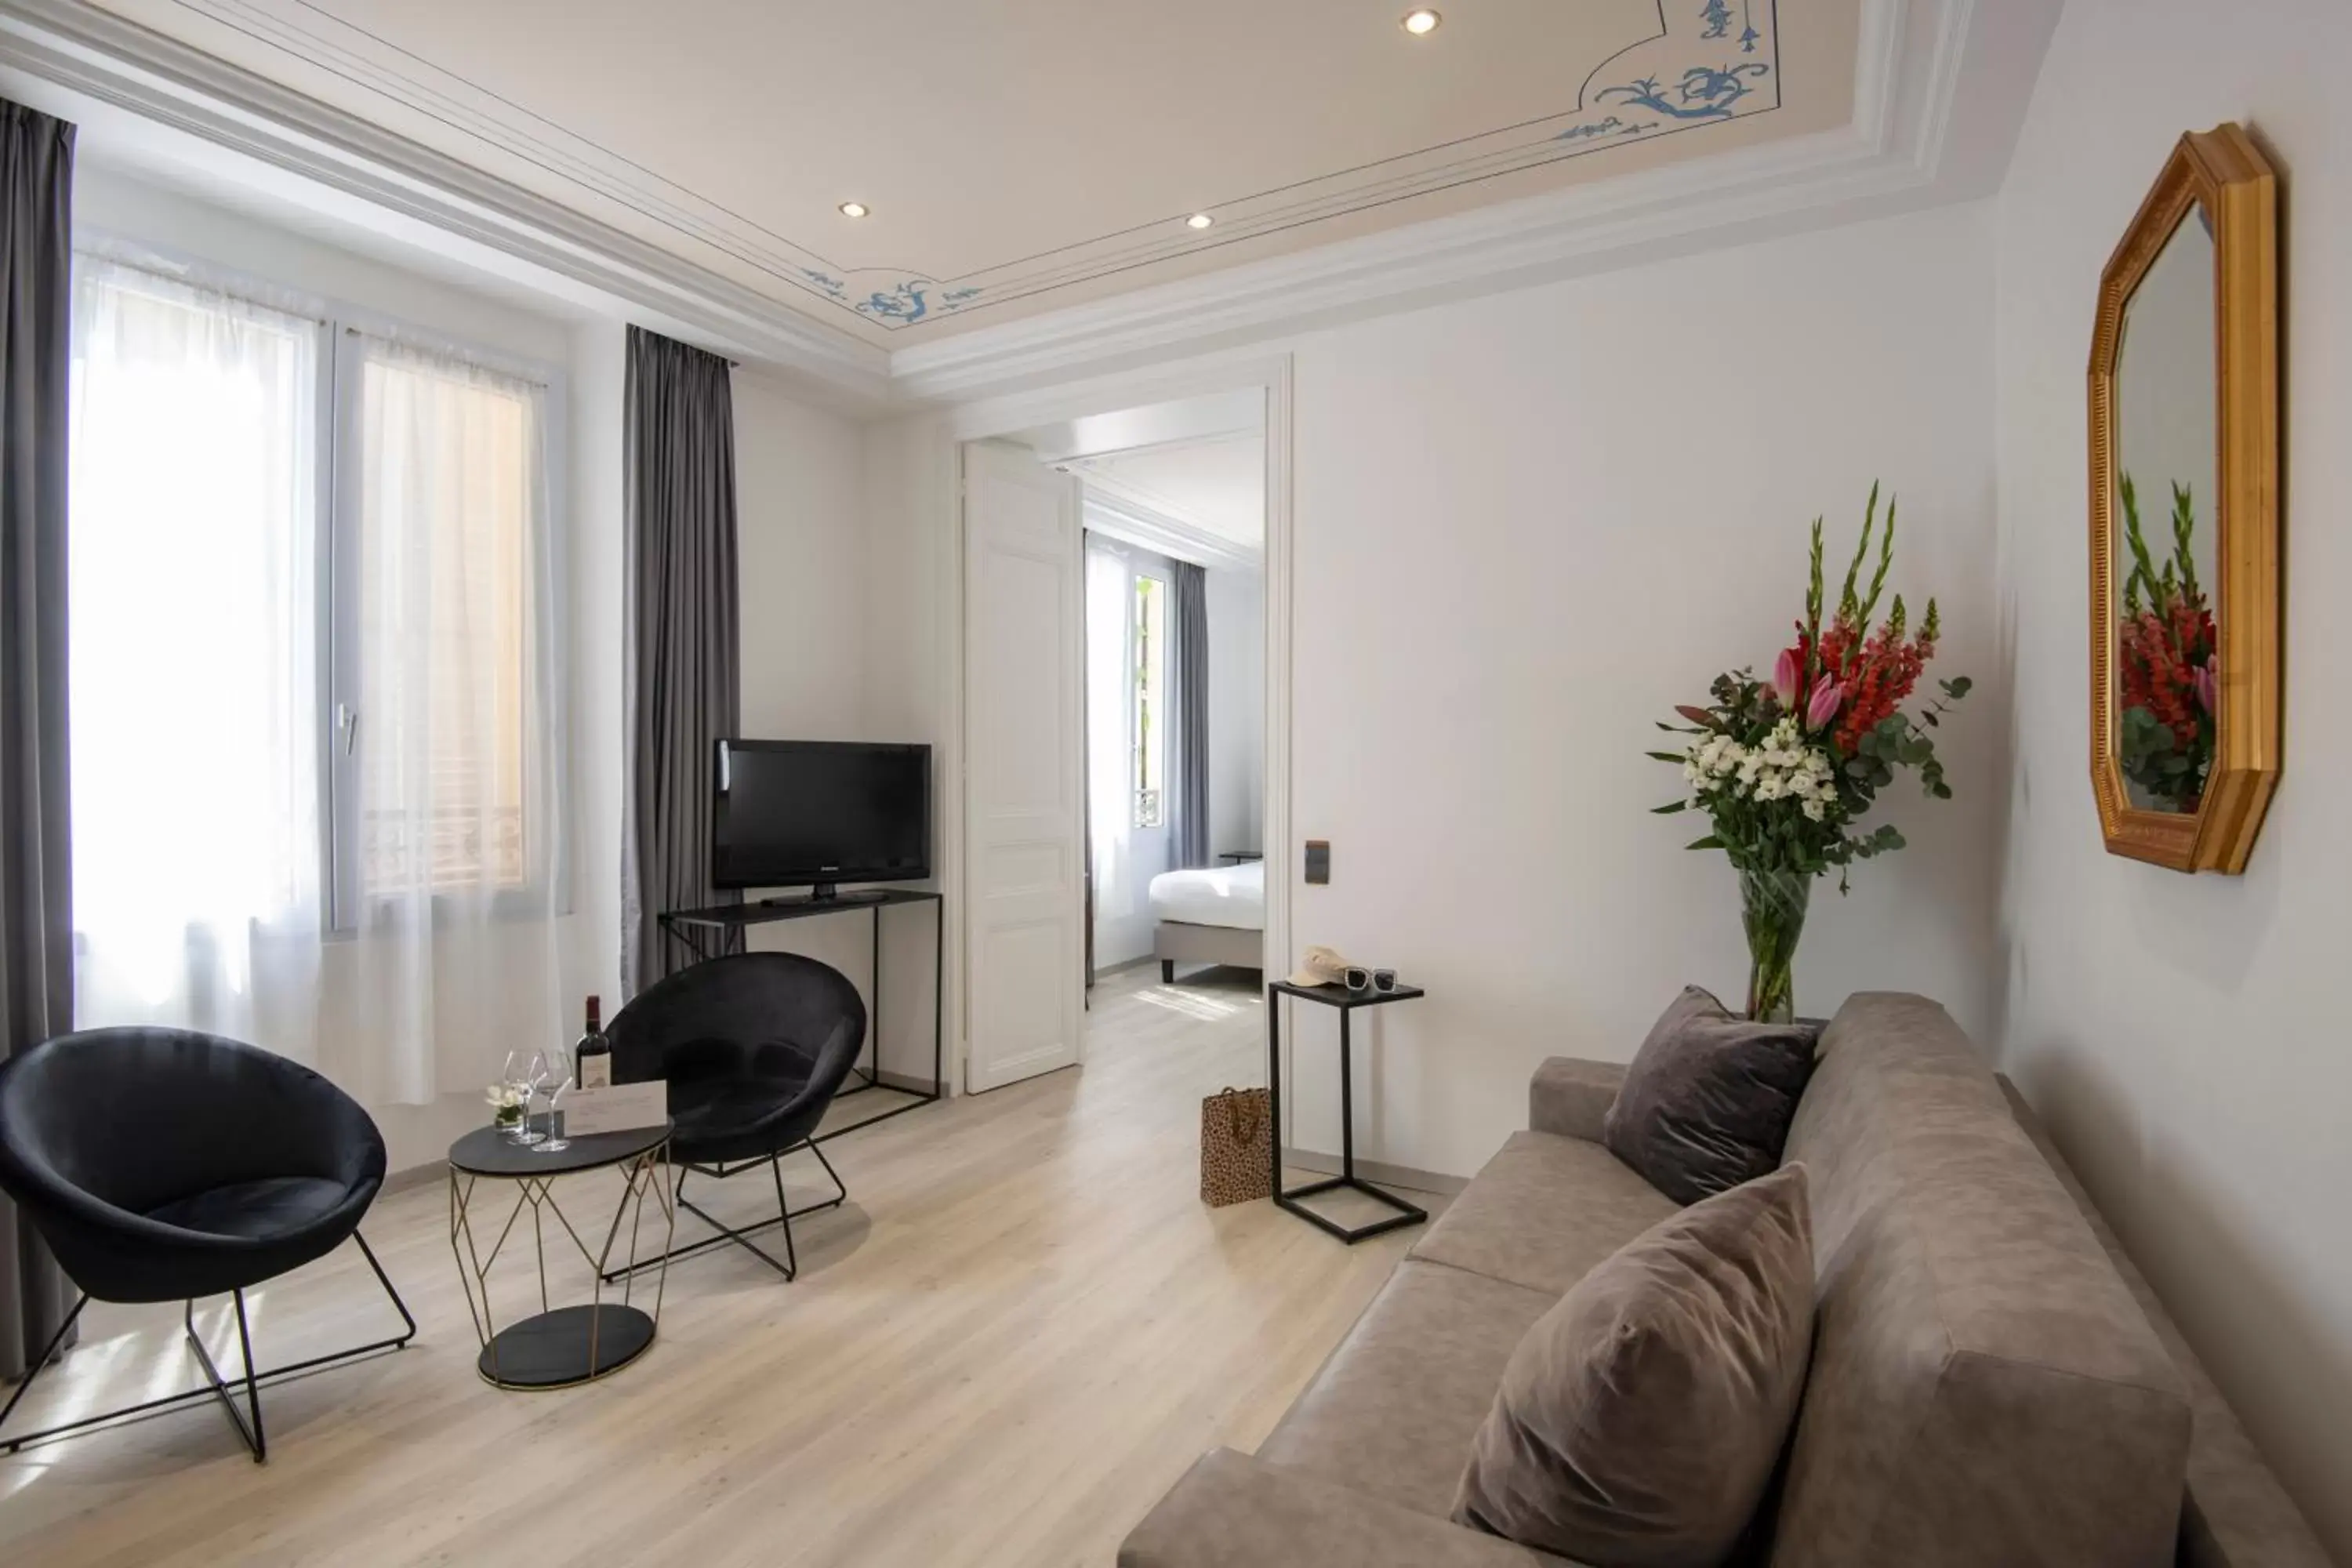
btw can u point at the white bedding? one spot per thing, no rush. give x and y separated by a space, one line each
1231 895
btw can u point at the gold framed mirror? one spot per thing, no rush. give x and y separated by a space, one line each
2185 592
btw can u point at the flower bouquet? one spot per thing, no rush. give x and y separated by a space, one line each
2166 664
1786 770
507 1105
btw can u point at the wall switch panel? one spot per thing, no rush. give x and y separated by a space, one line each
1318 860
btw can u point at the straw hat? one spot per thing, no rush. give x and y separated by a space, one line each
1321 966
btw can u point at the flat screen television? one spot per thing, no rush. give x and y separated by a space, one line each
814 814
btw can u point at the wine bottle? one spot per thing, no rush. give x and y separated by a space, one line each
593 1057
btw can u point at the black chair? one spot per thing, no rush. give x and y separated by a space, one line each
162 1164
755 1046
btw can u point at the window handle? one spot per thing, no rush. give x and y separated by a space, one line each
347 720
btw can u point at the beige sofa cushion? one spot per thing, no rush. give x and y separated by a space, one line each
1393 1412
1543 1212
1984 1388
1640 1419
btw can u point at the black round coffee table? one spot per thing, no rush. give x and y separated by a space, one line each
558 1346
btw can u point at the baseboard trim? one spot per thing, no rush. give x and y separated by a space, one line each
1379 1170
414 1177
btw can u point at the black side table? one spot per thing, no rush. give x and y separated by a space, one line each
559 1346
1347 1002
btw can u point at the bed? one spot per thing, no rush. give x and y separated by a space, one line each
1209 916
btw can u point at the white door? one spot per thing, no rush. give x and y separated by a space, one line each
1024 768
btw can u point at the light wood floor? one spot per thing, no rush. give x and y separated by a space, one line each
1019 1332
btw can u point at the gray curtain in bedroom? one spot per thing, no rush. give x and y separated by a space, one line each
1189 831
36 880
683 680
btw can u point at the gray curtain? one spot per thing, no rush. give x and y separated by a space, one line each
683 676
1188 834
35 878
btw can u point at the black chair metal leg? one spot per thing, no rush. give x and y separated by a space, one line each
218 1385
740 1236
247 1422
25 1382
784 1212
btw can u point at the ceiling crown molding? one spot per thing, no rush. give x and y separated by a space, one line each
1114 509
102 56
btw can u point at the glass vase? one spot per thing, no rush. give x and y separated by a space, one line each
1772 911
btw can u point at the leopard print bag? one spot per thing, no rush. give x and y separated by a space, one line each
1237 1147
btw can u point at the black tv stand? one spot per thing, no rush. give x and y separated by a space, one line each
709 932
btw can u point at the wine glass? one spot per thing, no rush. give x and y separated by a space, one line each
559 1066
522 1073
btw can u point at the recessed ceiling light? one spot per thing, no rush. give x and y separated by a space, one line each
1422 22
852 209
1198 220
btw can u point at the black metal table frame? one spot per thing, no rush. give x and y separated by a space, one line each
684 926
1346 1003
640 1172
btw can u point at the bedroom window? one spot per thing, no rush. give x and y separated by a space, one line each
1151 692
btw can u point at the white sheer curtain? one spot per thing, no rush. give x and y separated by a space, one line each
194 697
1111 746
450 762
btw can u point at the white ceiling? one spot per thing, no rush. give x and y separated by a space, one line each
1036 153
1030 163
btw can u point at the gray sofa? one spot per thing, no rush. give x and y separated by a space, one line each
1991 1381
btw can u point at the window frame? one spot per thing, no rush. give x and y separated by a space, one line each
343 907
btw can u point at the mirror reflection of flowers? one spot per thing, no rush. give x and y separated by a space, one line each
1786 769
2167 665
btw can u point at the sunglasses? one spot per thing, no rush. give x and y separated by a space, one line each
1372 979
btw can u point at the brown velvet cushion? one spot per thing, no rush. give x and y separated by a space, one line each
1640 1418
1708 1100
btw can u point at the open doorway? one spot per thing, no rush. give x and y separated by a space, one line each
1162 509
1175 706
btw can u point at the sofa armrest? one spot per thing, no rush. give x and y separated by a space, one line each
1569 1097
1232 1511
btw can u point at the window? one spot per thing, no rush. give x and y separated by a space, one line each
194 552
442 540
1151 688
309 676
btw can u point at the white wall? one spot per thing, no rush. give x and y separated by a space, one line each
1236 708
800 497
799 494
1528 526
2185 1036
